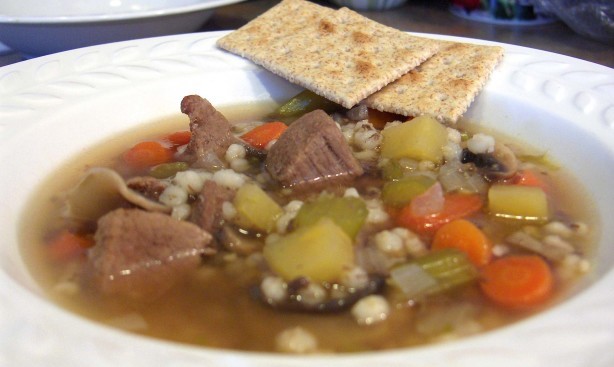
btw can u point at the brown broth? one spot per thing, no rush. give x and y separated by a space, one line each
214 308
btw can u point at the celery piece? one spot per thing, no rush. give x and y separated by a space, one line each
518 202
305 101
255 208
543 160
349 213
400 192
392 170
434 273
166 170
451 267
320 251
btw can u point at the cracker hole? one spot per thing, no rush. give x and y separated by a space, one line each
400 89
441 97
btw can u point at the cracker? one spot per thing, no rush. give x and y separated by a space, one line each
444 86
338 54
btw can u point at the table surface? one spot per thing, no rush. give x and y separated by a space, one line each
434 16
430 16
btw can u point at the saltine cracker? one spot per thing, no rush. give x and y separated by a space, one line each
338 54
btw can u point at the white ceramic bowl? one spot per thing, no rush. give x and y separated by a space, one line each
43 27
54 107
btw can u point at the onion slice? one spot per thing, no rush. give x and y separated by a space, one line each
429 202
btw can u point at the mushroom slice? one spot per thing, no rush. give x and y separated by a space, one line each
234 241
508 163
500 164
102 190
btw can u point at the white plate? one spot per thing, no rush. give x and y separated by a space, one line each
53 107
36 27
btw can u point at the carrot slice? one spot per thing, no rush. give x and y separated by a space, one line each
518 281
179 138
530 178
379 118
456 206
67 245
147 154
262 135
463 235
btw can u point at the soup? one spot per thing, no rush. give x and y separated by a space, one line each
330 232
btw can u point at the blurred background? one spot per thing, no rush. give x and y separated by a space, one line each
581 29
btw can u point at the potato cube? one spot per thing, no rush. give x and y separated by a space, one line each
320 252
518 202
421 139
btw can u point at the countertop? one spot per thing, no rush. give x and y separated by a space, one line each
434 16
428 16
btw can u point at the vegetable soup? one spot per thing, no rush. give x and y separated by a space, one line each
308 228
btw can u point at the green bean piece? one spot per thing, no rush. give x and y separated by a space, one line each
166 170
305 101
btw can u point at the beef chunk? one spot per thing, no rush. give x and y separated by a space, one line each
312 153
148 186
207 210
211 133
141 254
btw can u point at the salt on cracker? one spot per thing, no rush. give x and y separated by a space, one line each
338 54
444 86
